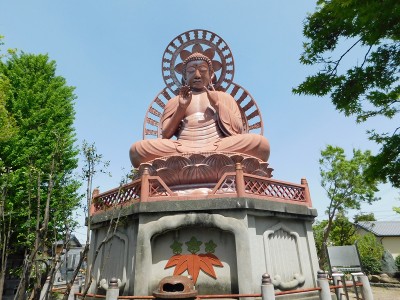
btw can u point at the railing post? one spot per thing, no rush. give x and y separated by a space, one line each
267 288
366 287
239 180
112 290
323 283
306 191
339 279
95 193
145 186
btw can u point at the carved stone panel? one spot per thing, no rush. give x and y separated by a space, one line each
282 256
207 254
114 260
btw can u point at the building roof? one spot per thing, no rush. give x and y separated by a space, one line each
73 242
381 228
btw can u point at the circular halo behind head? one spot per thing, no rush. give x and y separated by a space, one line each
205 43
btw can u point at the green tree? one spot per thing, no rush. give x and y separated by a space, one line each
7 123
368 88
8 126
344 182
364 217
42 157
397 262
342 233
371 252
319 230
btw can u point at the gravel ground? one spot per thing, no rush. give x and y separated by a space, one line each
386 293
382 293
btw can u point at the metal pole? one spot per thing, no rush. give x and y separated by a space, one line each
267 288
323 283
112 290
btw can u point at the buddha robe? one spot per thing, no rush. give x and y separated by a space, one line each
205 130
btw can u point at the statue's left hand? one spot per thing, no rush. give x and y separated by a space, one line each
213 97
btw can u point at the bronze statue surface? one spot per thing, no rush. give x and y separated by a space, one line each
201 117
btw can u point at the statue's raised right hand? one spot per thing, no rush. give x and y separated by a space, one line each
185 96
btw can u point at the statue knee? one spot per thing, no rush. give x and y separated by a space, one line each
134 155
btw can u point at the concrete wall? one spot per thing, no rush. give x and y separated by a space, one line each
285 249
252 237
227 281
116 258
392 244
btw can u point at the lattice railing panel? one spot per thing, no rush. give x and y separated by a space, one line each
156 189
274 189
118 196
227 186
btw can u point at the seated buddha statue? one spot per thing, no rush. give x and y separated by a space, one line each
202 119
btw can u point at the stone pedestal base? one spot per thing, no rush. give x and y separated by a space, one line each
228 244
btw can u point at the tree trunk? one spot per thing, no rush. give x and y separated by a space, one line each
5 235
4 258
82 258
323 259
4 252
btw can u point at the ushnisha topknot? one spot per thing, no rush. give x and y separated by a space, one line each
197 56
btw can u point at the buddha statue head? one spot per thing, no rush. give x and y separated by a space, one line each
197 71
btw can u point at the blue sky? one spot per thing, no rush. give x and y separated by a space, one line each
111 52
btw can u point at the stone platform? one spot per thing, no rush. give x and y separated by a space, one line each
226 236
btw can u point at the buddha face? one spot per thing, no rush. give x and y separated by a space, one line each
198 74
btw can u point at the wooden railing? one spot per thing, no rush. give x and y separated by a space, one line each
232 184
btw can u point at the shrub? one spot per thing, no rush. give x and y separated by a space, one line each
368 246
397 262
371 252
371 265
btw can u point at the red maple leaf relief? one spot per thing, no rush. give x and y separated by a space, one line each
193 263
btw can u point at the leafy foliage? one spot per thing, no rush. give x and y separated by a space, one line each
371 86
344 182
318 230
371 252
342 233
364 217
41 104
397 262
8 126
371 265
39 192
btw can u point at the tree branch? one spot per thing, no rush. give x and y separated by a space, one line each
341 57
366 55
